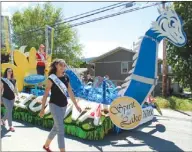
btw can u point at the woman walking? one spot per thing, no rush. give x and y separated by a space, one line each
8 90
58 83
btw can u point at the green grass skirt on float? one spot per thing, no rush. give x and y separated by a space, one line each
84 130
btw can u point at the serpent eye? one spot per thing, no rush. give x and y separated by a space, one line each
172 23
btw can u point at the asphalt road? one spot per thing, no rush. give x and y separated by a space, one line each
170 132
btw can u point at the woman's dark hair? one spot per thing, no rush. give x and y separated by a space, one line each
5 73
53 68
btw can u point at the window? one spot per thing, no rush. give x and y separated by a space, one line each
169 69
124 68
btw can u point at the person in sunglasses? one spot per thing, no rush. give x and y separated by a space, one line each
59 85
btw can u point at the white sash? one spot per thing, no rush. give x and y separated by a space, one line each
59 83
11 86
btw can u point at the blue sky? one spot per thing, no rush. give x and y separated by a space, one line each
101 36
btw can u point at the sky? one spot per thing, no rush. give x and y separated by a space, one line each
102 36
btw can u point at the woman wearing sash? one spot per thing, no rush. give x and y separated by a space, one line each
8 89
41 58
58 84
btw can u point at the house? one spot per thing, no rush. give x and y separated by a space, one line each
118 62
115 63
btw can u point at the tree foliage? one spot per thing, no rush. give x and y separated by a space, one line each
181 58
4 56
65 45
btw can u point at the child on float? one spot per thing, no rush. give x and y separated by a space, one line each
151 101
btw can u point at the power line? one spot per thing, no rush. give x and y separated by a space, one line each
94 10
92 14
108 16
112 15
42 28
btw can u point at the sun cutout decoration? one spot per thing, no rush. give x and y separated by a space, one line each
23 67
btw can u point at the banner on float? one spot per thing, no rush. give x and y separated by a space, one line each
5 33
126 113
49 34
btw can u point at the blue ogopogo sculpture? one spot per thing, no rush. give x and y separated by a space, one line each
144 73
143 76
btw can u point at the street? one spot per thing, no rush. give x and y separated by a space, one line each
170 132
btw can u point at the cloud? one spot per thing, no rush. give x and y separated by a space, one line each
97 48
24 5
7 5
8 8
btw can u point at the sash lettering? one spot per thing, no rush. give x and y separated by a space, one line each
59 83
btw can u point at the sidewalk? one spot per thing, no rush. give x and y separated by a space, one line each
175 114
159 135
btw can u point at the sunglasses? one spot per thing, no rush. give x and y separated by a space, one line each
61 64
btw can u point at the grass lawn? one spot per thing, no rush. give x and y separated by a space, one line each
175 103
187 89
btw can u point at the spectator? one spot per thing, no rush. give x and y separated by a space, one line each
89 79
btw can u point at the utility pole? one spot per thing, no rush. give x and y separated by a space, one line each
164 74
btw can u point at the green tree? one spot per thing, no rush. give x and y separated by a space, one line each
181 58
66 43
4 55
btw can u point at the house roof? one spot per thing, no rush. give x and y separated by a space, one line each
109 53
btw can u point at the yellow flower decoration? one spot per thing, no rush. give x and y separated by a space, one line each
24 67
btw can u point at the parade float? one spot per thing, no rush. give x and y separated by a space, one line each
104 106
